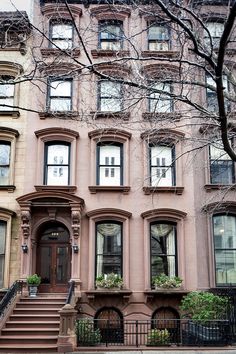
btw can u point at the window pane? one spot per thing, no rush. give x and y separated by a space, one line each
161 166
110 89
157 45
45 264
63 44
215 28
109 176
163 249
58 154
110 31
60 104
110 155
217 152
57 175
7 90
109 248
5 153
158 33
60 88
62 31
224 227
110 45
110 105
221 172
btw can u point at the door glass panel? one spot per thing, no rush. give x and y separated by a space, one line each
62 265
45 261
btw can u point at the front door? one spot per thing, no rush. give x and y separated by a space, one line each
54 258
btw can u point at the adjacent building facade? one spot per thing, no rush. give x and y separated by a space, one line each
100 177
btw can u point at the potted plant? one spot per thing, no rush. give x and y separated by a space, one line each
158 337
204 309
109 281
164 281
33 282
86 334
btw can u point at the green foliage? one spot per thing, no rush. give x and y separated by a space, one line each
158 337
86 333
109 281
204 306
166 282
33 280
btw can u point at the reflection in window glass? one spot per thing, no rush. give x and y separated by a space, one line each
160 101
60 95
61 35
162 168
5 150
110 35
111 96
158 38
57 164
6 93
221 165
109 164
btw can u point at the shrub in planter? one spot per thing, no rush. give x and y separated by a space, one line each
86 334
109 281
158 337
33 282
163 281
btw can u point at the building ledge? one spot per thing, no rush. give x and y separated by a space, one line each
172 189
68 189
95 189
93 293
10 113
9 188
172 116
96 53
212 187
47 52
120 115
63 114
160 54
151 294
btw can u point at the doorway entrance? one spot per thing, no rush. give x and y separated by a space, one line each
54 258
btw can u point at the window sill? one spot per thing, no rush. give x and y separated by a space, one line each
95 189
68 189
9 188
121 115
47 52
62 114
124 293
173 189
160 54
212 187
160 116
12 113
96 53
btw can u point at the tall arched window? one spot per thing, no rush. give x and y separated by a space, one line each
163 248
224 232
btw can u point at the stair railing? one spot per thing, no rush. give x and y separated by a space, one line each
9 297
71 293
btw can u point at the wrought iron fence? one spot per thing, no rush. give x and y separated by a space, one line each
9 296
92 332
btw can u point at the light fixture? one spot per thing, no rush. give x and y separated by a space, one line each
75 248
24 248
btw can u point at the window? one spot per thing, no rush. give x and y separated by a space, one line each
110 164
3 230
162 167
160 101
60 95
221 166
163 248
215 29
6 92
62 35
57 163
158 38
111 35
110 96
5 153
108 248
212 103
224 231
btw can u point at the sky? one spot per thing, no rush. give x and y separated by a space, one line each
8 5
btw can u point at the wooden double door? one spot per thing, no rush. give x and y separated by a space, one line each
54 259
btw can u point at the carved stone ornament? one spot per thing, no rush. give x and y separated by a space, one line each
75 218
25 223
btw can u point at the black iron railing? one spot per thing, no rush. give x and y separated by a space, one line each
10 296
70 291
92 332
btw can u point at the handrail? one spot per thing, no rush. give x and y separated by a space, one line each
9 296
70 292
